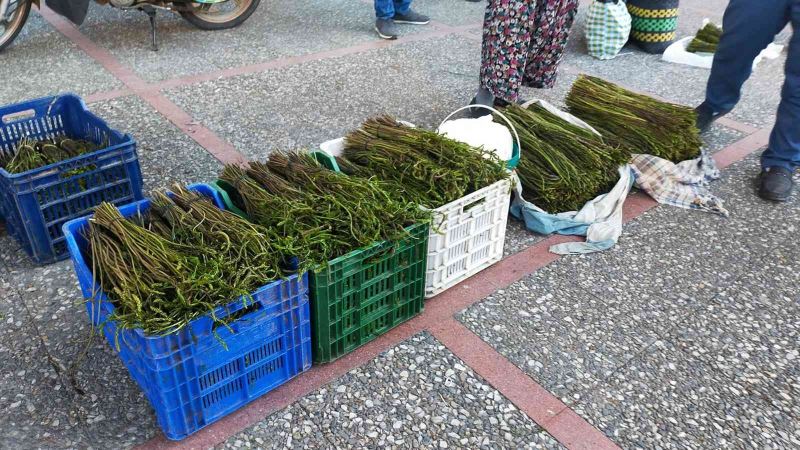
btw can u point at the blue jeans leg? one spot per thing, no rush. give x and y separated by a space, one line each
784 143
402 6
748 27
386 9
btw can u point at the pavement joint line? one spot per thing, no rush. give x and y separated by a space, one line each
108 95
437 31
438 310
530 397
220 149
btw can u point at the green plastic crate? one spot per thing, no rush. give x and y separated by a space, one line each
364 294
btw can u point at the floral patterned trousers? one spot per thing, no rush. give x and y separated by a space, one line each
523 43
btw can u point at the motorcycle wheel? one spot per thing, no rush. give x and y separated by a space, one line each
13 23
220 16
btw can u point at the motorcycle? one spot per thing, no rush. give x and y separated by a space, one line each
203 14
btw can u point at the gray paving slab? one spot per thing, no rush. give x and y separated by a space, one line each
565 338
453 12
276 29
166 154
662 399
54 395
43 62
291 427
415 395
669 261
305 105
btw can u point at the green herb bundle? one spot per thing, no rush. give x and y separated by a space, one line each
31 154
433 170
292 215
636 122
323 213
562 166
184 259
156 284
706 39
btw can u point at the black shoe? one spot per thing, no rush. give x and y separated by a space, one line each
386 28
475 113
706 116
412 17
776 184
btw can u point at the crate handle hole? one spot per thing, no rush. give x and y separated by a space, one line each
17 116
231 319
469 206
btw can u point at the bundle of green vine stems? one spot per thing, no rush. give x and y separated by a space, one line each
706 40
31 154
323 214
181 260
420 166
562 166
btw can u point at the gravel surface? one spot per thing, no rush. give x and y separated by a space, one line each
166 154
45 403
418 82
415 395
567 340
275 30
42 62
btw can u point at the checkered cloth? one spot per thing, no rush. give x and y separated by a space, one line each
684 184
608 25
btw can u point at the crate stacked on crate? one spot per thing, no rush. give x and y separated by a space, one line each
361 295
467 234
36 203
218 362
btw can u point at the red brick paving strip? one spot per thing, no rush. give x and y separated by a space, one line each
544 408
221 149
535 401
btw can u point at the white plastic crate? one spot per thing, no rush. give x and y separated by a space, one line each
467 236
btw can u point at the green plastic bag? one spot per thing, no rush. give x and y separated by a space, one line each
608 25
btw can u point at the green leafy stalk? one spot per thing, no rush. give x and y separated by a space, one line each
562 166
635 122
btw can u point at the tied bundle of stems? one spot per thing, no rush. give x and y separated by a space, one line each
706 40
326 213
373 211
182 260
562 166
433 170
635 122
252 253
31 154
156 284
311 238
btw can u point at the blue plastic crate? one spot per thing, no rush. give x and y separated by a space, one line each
37 203
202 373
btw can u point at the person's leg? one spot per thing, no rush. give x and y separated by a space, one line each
554 20
402 6
747 28
782 157
507 30
384 9
404 14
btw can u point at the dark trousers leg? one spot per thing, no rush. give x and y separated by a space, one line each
748 27
784 143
